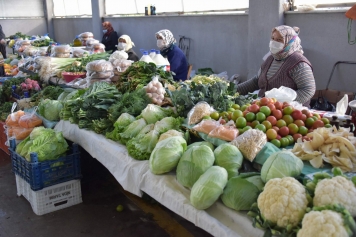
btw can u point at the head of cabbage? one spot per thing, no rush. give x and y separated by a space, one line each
242 191
209 144
208 187
50 109
229 157
165 156
194 162
281 164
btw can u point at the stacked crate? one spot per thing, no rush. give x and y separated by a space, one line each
49 185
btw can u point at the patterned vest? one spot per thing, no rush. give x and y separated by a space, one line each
281 77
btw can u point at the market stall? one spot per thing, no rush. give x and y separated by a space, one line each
134 176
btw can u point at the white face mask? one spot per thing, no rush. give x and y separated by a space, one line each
121 46
275 46
160 43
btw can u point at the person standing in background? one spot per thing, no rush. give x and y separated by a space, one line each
110 37
126 44
2 49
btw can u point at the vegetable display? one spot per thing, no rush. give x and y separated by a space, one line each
194 162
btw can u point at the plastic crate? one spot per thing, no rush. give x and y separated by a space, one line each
47 173
3 139
52 198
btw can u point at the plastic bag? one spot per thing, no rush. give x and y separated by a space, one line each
60 49
121 64
99 69
31 51
90 42
222 75
250 143
197 113
118 54
97 48
86 35
282 94
14 117
321 103
19 133
227 132
79 53
30 120
206 126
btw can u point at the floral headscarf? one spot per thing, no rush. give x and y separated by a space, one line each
167 37
291 41
108 27
129 43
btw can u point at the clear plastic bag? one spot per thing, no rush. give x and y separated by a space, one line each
79 53
99 66
61 49
250 143
14 117
227 132
197 113
97 48
31 51
91 42
30 120
282 94
121 64
206 126
118 55
86 35
19 133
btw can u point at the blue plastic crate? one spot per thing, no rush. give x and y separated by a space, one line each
47 173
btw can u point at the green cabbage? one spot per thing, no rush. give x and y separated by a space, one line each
50 109
194 162
281 164
49 145
170 133
229 157
242 191
141 146
208 187
20 146
119 126
25 149
132 130
168 123
166 154
209 144
153 113
37 131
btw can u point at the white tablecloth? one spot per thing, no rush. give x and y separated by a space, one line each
134 176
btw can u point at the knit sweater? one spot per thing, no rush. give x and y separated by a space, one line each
178 63
295 72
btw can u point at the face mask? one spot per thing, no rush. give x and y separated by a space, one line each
121 46
275 46
105 31
160 43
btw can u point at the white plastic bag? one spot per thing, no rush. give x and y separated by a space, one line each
282 94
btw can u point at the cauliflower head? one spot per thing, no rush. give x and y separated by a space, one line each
337 190
283 201
324 223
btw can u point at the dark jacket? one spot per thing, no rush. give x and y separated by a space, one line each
132 55
178 63
110 41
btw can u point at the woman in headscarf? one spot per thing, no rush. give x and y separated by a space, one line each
2 49
285 66
178 62
110 37
126 44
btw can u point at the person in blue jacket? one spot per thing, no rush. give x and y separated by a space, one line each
178 62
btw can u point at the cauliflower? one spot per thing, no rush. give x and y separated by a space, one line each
283 201
337 190
323 224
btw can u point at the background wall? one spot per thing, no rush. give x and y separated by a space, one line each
232 43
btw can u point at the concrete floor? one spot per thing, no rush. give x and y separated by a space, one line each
96 216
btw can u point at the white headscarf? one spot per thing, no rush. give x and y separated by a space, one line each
129 43
167 37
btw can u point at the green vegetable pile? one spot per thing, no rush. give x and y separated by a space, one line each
5 110
6 89
89 108
140 74
220 95
41 42
49 92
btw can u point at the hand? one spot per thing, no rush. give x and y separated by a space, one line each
3 41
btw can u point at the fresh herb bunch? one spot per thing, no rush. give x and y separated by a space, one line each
220 95
41 42
5 110
140 74
76 66
131 102
6 91
49 92
19 35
